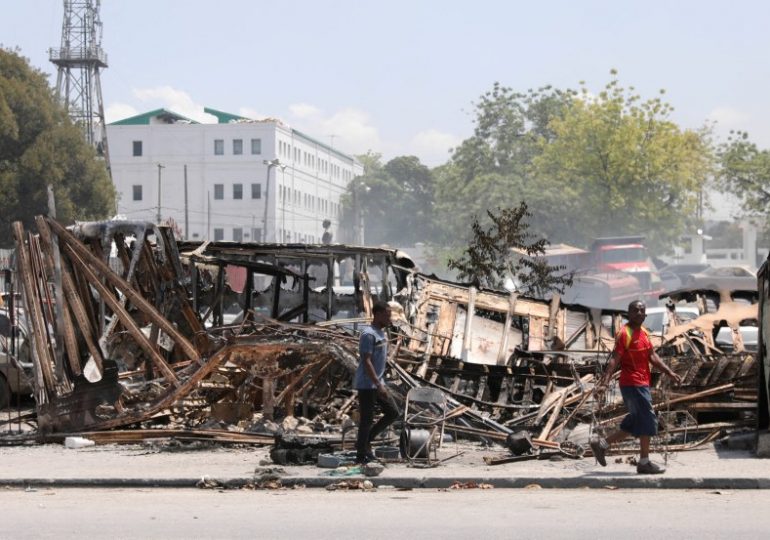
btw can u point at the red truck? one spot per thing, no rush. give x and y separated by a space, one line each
628 254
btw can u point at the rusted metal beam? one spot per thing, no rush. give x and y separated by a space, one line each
45 387
125 288
125 318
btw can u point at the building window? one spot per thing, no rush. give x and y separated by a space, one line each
256 235
137 148
219 147
256 191
237 147
219 235
256 146
219 191
237 191
237 234
137 193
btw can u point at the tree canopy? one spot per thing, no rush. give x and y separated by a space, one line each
745 172
494 167
586 165
395 200
621 166
39 146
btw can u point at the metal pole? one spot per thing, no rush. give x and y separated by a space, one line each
355 216
186 208
160 168
283 208
283 217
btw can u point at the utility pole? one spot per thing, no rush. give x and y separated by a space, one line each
208 215
160 168
186 208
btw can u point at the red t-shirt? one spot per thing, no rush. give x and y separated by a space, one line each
634 356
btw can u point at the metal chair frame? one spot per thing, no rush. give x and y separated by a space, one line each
424 418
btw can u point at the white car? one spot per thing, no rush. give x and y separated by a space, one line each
749 334
657 321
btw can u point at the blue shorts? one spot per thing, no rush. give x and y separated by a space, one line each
641 419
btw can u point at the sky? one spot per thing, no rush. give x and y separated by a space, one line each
400 77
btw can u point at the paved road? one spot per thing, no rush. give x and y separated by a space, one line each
386 513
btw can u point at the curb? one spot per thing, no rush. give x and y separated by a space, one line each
630 482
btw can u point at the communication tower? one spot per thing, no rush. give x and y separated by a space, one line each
79 61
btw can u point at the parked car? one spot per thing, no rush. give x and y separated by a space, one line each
731 278
15 362
749 334
657 320
682 271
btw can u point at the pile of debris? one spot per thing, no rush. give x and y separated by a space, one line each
129 341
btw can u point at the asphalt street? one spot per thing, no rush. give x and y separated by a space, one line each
384 513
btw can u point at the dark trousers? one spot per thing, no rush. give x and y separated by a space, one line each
366 431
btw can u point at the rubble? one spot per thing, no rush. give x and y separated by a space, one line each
256 344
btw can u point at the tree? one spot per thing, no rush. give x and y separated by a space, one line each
39 146
508 250
621 166
395 200
494 167
745 172
585 165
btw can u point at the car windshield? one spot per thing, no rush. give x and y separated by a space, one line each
624 255
654 322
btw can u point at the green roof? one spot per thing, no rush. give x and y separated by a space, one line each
165 115
224 117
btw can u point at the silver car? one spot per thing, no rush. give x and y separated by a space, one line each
727 278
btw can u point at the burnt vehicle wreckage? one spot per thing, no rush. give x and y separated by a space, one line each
134 335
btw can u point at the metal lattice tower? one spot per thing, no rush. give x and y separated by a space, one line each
79 61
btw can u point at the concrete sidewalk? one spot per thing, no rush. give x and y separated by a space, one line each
149 465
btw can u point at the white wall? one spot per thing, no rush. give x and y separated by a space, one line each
315 177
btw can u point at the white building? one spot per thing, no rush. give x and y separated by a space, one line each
239 179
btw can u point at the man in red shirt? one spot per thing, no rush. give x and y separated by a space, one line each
634 352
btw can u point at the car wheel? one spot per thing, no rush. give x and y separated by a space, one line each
5 392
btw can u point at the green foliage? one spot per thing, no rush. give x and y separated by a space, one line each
586 165
745 172
622 167
39 147
395 199
507 249
493 168
725 234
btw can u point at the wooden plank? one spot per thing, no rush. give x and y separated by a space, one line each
552 418
720 406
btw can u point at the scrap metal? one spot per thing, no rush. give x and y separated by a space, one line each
222 341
